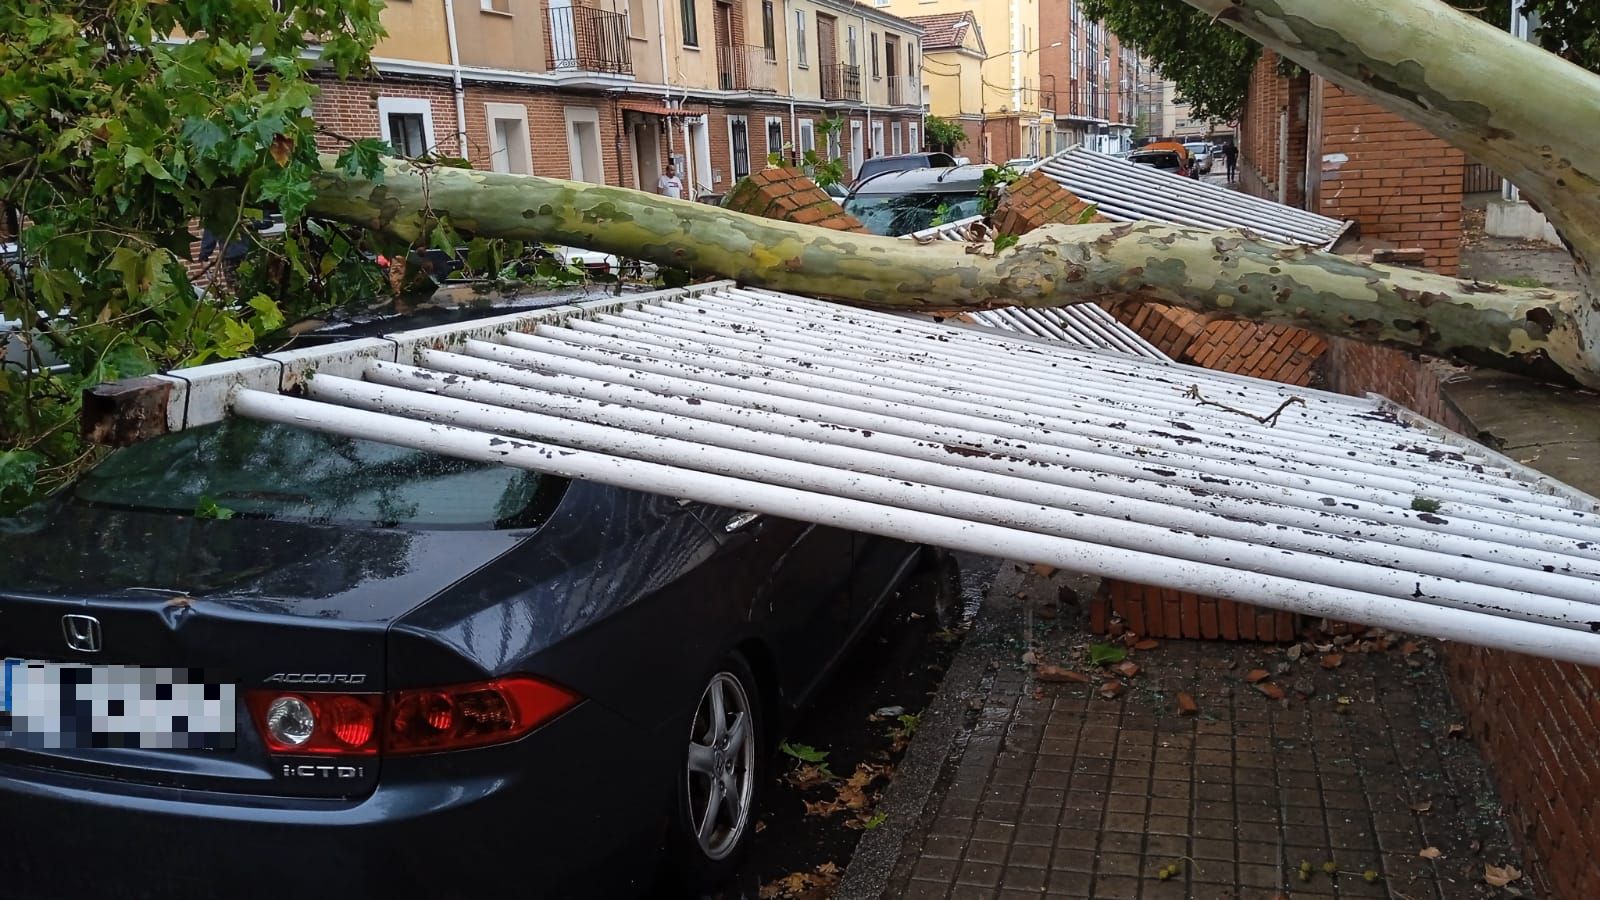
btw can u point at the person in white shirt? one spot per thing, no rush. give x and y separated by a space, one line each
669 185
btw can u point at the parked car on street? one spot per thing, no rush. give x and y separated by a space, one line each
877 165
381 672
1202 152
1022 163
899 203
1170 157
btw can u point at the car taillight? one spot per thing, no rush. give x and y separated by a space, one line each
415 720
317 724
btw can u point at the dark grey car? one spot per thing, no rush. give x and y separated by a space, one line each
900 203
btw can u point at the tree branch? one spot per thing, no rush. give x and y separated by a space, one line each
1535 332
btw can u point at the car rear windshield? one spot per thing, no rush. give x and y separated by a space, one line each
895 216
1158 160
249 468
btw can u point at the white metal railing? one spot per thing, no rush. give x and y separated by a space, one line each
970 439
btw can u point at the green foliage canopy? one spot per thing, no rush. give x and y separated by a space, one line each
123 124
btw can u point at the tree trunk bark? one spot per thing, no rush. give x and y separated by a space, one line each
1536 332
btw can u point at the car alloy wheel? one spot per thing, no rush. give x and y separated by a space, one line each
721 766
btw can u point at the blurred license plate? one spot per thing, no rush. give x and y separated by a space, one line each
58 706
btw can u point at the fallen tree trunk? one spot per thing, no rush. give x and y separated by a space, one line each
1532 332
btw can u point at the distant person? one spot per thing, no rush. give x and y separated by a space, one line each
233 253
669 184
1230 154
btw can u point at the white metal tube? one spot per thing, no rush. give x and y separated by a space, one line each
949 393
1098 380
1278 593
1196 473
905 484
896 457
1085 471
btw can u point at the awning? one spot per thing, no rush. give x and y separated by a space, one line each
1115 465
659 109
1082 324
1128 192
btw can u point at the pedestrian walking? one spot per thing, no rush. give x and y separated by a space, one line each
669 184
1230 154
233 253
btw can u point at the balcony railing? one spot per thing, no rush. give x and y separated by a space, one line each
905 90
589 40
841 81
746 67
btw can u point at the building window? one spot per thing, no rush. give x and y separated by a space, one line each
835 145
912 145
407 124
874 54
877 138
739 143
850 45
499 6
583 145
800 36
636 16
691 24
769 31
508 138
808 137
774 135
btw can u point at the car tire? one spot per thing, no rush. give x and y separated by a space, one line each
722 758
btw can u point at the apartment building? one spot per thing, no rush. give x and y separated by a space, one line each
1006 109
1099 92
609 91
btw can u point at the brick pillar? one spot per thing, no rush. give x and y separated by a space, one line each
789 195
1037 199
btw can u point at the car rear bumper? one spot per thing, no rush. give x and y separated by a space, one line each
557 814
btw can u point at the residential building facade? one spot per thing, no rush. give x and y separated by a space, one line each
1008 108
610 91
1096 90
952 71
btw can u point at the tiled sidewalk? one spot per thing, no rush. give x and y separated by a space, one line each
1055 791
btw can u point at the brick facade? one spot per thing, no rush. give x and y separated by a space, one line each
1274 352
350 109
1037 199
1166 613
1273 102
547 129
1398 182
1401 183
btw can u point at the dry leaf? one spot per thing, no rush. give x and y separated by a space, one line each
1408 648
179 602
1043 571
761 825
1257 675
1429 853
1294 652
1333 661
1030 658
806 776
1147 644
281 148
1500 877
823 807
1111 690
1424 806
1059 675
1128 668
1454 730
1186 704
1271 690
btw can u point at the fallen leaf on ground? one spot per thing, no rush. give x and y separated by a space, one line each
1186 704
1147 644
1271 690
1046 611
1333 661
1429 853
1043 571
1454 730
1038 693
1029 658
1424 806
1106 654
807 776
813 885
1257 675
1500 877
1408 648
1111 690
823 807
1059 675
1127 668
761 825
1294 652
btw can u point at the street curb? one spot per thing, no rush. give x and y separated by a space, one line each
867 875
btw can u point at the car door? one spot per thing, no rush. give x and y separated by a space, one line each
799 579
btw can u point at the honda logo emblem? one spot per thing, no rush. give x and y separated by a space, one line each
82 633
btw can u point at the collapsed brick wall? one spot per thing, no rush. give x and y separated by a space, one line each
1274 352
1537 721
1402 183
788 194
1037 199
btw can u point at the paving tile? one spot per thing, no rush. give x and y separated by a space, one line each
1119 864
1072 860
1031 880
935 869
978 873
1035 835
1210 848
1115 888
1167 825
1077 839
1071 884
